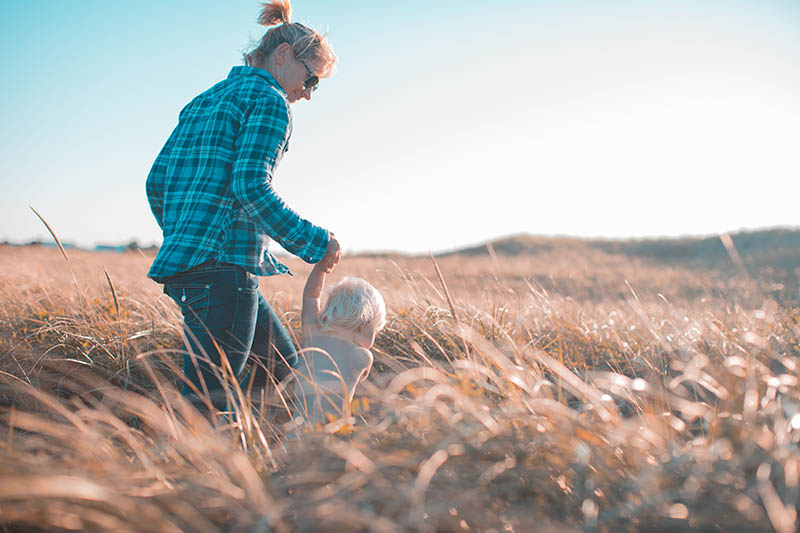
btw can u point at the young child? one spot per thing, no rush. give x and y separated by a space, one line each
336 340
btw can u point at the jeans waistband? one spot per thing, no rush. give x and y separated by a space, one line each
212 265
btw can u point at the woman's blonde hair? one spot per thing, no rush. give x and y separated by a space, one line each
306 43
353 304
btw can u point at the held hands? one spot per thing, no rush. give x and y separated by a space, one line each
332 255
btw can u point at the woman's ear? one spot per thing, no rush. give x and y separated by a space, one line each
282 54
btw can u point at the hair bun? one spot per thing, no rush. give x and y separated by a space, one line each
275 12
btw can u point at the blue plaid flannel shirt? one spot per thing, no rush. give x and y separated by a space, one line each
210 187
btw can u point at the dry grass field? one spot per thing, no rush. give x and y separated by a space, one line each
572 389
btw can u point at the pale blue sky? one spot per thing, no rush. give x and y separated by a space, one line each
444 125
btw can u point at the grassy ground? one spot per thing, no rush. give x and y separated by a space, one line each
573 389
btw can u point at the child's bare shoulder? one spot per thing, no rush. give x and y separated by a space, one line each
360 356
364 355
357 355
335 344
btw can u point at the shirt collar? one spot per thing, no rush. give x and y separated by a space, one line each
244 70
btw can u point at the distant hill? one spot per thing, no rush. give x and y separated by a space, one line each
777 249
129 247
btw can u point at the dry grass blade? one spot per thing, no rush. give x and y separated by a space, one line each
63 253
113 291
450 304
52 233
54 487
427 470
727 241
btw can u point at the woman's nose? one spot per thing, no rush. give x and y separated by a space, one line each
307 93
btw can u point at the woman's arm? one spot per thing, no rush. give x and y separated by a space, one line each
259 145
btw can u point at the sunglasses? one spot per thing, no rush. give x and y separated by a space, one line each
312 81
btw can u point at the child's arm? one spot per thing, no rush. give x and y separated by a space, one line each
367 368
364 358
314 285
311 294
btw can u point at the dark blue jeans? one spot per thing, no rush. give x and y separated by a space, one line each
224 313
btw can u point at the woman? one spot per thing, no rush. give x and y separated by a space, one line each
210 190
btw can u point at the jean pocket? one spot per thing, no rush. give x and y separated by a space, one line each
193 299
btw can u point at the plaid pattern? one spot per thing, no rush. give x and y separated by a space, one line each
210 188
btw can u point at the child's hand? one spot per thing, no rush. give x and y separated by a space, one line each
332 255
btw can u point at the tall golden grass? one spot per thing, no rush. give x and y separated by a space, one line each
562 391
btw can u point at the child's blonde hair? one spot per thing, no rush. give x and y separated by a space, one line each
353 304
